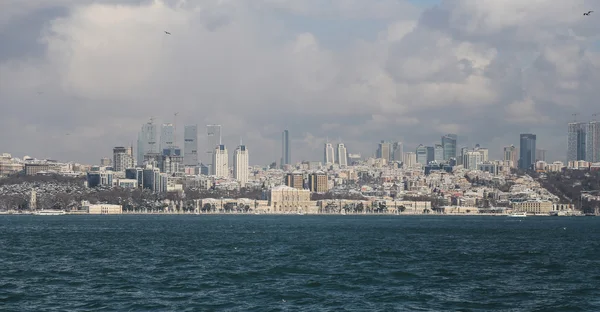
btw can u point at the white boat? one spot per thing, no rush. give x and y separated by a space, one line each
518 215
49 212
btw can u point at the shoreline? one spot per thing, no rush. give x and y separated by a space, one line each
296 214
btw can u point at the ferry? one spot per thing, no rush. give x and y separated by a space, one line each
518 215
49 212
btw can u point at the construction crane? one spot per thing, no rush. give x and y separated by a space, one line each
574 117
594 116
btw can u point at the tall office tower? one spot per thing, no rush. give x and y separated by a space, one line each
220 162
576 144
317 182
472 159
295 179
421 153
540 154
341 155
449 145
213 136
241 164
147 141
384 150
190 145
438 153
410 159
593 141
527 151
167 136
510 156
122 158
328 154
286 157
430 154
397 151
483 151
463 152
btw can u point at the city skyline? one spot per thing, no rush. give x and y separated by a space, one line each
397 71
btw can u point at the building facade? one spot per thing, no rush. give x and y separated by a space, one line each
190 145
220 162
527 151
241 165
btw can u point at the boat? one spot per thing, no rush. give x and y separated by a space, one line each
518 215
49 212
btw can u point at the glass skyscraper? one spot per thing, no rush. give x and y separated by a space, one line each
527 151
449 144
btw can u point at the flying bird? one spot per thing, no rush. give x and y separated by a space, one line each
588 13
166 32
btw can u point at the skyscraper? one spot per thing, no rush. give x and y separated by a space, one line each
328 154
438 153
122 158
527 151
384 150
286 157
240 165
397 151
510 156
421 152
220 162
341 155
593 141
147 141
167 136
213 136
576 144
190 145
449 145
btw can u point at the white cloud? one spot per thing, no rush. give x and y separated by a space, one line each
485 69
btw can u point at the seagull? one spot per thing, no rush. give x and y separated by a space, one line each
166 32
588 13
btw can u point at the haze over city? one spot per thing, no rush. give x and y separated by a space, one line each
79 77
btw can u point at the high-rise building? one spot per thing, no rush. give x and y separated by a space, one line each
286 157
295 179
527 151
147 141
241 164
122 158
438 153
317 182
167 136
341 155
384 150
472 159
410 159
576 149
105 162
510 156
190 145
483 151
593 141
449 145
397 151
213 136
328 154
430 154
421 152
220 163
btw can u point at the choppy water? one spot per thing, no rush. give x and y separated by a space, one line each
293 263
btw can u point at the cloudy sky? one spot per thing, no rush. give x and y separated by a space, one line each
356 70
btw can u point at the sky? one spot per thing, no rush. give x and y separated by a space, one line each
78 77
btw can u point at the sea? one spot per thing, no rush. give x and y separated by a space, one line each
298 263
